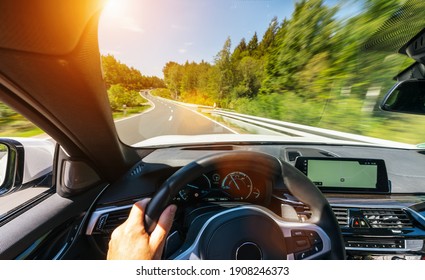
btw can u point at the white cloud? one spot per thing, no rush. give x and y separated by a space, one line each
188 43
182 50
130 24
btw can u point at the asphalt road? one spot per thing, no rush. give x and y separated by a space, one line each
166 118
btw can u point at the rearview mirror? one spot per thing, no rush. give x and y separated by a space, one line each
406 97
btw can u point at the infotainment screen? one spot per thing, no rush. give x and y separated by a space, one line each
345 174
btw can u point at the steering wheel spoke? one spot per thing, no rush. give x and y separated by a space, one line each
252 232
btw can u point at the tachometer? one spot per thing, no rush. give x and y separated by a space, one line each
238 185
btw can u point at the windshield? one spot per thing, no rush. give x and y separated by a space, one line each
177 68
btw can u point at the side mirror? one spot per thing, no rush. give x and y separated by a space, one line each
406 97
4 153
23 160
11 162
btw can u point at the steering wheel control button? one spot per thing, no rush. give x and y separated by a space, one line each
249 251
317 248
314 237
295 233
302 255
301 243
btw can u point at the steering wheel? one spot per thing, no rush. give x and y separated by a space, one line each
252 231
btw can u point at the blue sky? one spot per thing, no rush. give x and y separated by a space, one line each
146 34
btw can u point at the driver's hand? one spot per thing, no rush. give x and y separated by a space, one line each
130 241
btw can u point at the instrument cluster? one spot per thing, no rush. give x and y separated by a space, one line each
227 185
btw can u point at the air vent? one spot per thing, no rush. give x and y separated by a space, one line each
387 218
107 222
341 214
292 155
137 170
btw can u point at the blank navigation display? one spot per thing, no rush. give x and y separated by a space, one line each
350 174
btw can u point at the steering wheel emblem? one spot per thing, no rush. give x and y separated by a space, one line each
249 251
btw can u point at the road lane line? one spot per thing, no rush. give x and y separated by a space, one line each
171 117
194 111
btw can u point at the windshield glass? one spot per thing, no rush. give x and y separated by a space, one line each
177 68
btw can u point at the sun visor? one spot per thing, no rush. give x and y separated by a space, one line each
45 26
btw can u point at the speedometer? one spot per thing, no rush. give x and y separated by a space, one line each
238 185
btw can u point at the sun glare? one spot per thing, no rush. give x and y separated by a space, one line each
114 8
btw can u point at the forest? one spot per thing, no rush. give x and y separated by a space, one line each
311 68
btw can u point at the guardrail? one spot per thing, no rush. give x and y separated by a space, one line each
261 125
299 130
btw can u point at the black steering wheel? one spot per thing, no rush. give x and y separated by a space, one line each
252 231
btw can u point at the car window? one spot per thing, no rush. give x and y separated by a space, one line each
34 151
302 62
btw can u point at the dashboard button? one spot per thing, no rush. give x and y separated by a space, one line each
355 223
363 223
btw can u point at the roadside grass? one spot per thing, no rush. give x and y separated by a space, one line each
19 132
18 126
131 111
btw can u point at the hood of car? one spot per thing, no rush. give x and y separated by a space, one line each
217 139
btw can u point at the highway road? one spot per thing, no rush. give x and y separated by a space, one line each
166 118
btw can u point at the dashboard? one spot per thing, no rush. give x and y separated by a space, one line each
376 222
242 185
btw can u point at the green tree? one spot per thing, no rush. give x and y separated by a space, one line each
267 43
226 72
240 51
306 34
172 76
120 97
253 45
116 72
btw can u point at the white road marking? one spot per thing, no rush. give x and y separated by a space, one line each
194 111
171 117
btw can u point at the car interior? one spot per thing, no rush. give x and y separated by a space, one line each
252 198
